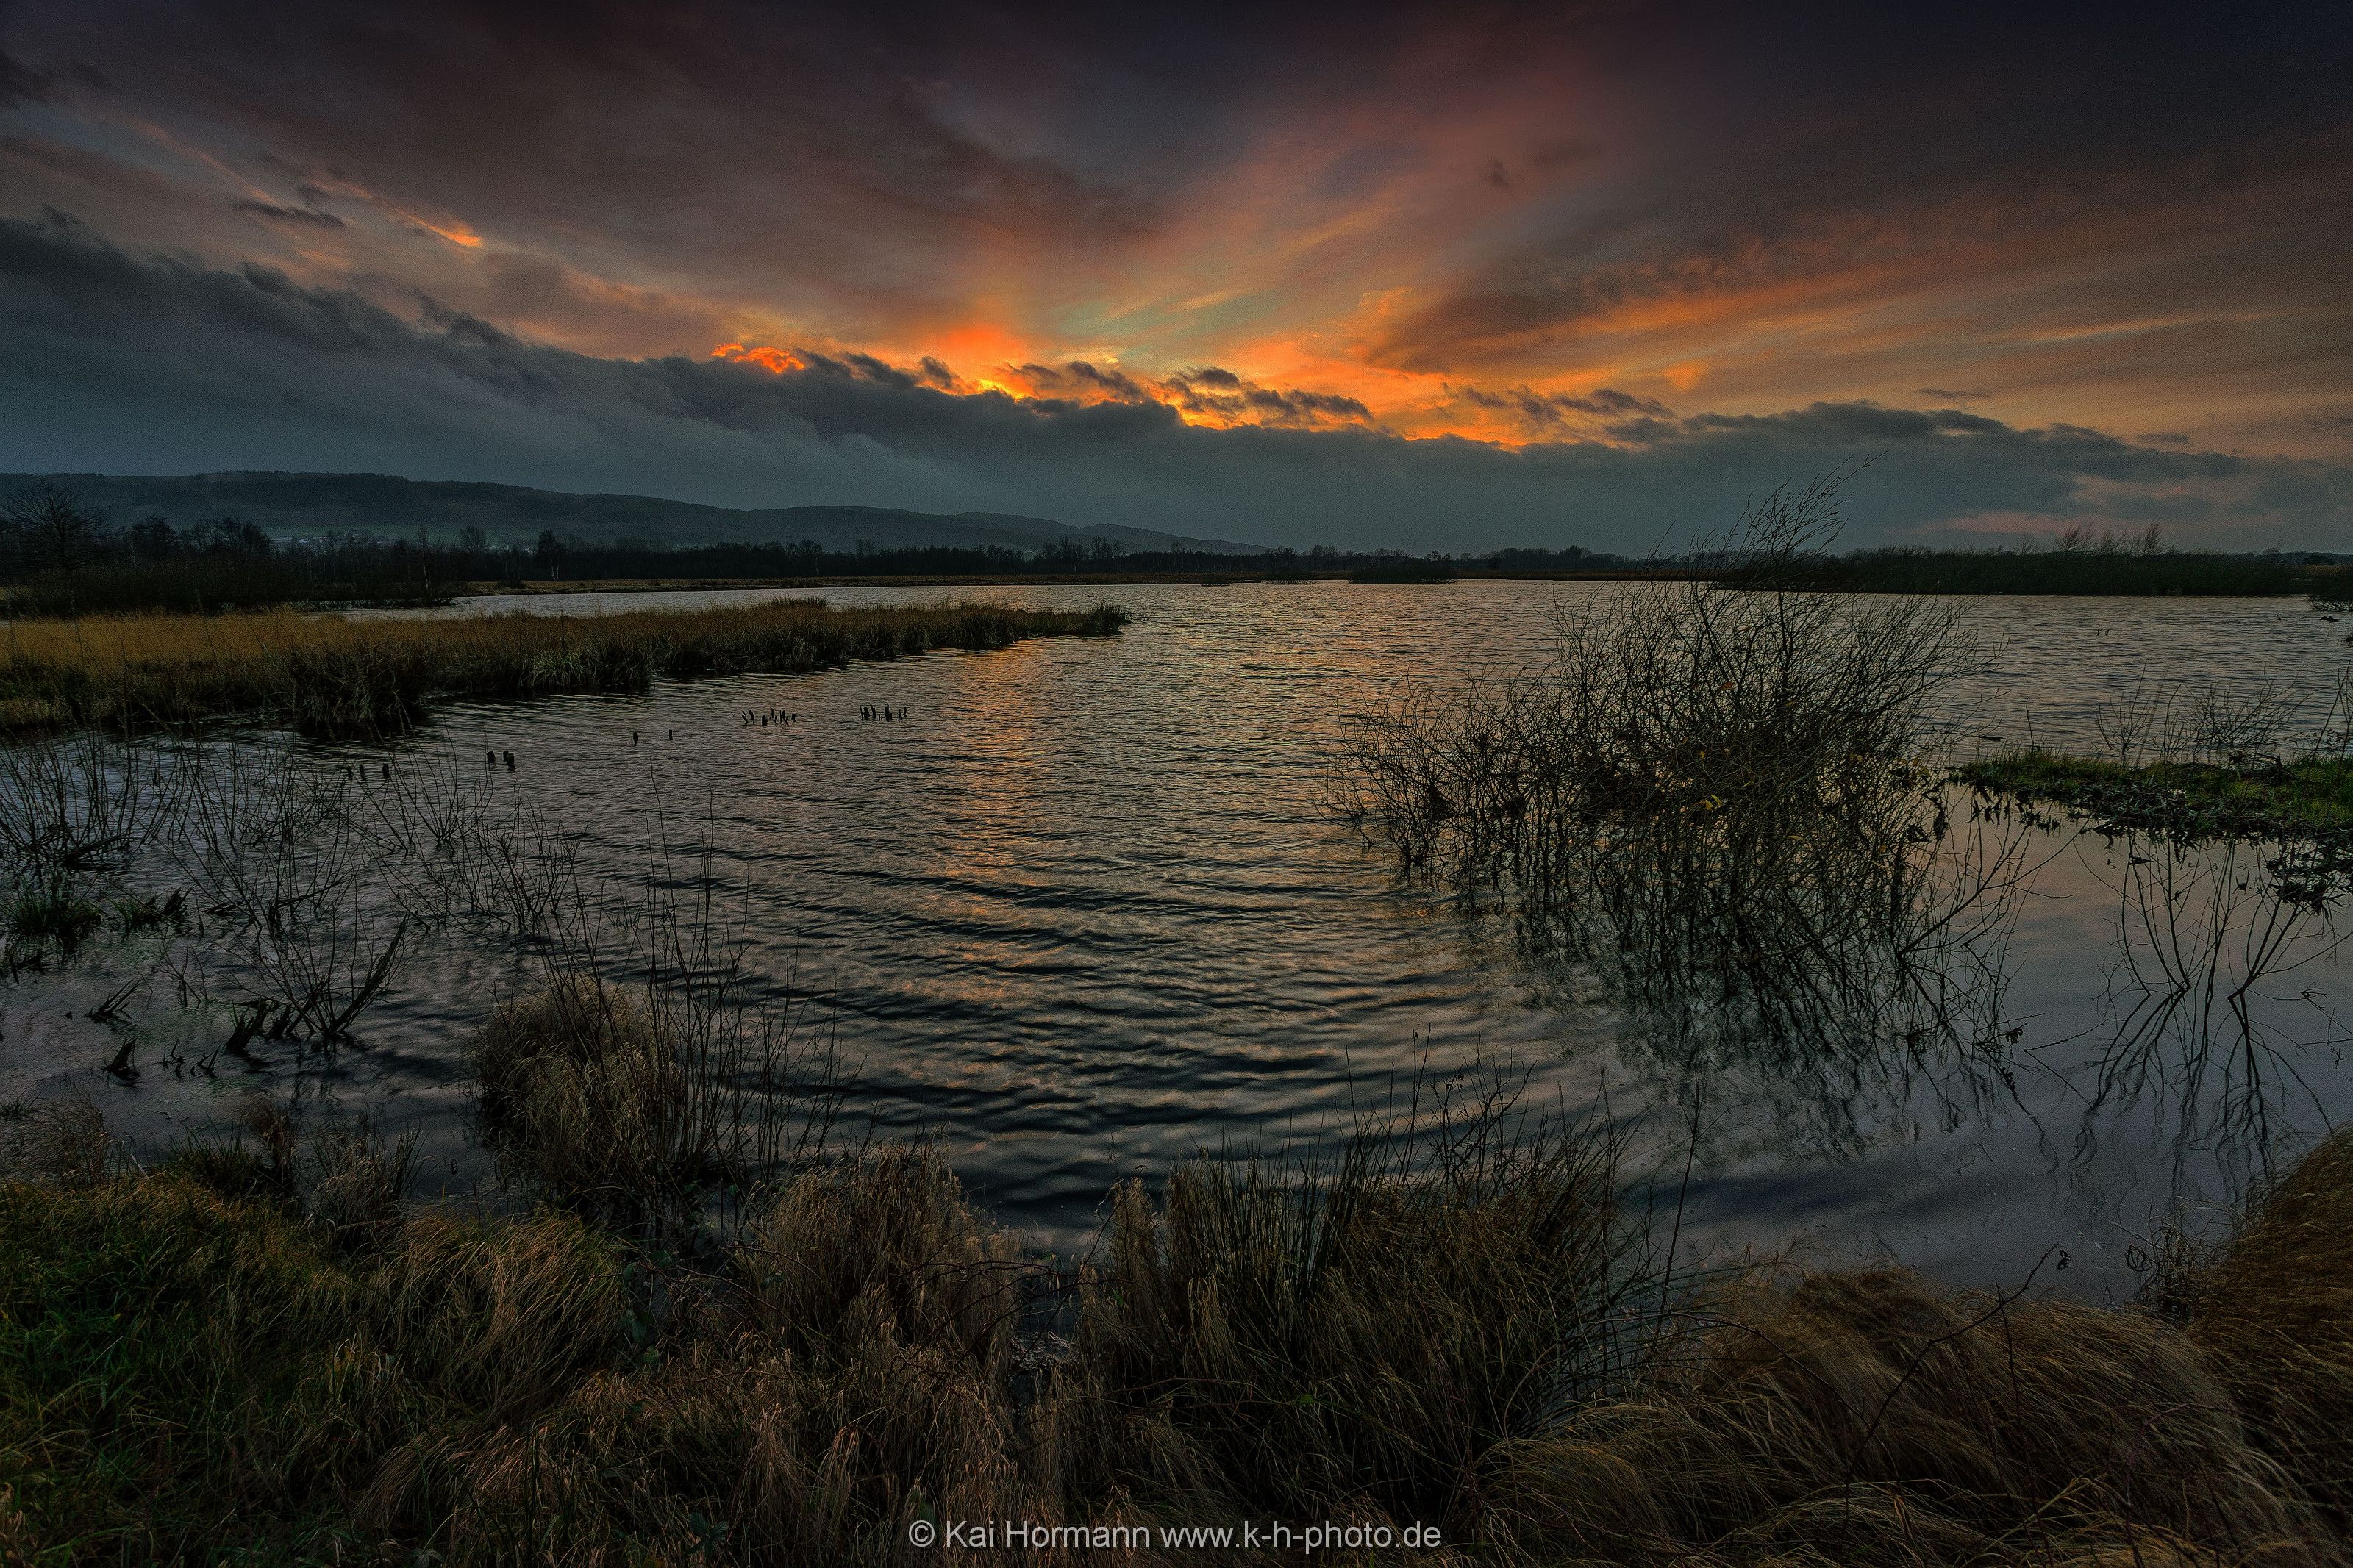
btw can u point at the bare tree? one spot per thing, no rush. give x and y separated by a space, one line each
50 528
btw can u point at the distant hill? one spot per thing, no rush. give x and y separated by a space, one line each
297 504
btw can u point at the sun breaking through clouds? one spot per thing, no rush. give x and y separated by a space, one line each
1447 278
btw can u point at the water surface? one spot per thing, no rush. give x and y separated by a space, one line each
1083 909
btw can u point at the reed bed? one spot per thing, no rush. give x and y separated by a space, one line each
328 675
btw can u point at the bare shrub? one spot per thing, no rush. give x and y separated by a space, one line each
49 527
1719 805
305 922
1671 699
83 804
2207 1074
2205 722
76 815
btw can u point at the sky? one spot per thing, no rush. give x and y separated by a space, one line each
1428 278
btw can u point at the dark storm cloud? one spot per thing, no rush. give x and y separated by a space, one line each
2090 207
110 361
1211 393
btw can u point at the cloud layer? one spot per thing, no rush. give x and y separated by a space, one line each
1483 221
117 361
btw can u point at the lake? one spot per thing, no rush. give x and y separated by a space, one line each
1083 906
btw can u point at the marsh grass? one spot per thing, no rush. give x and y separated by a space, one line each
193 1360
1869 1417
53 910
642 1108
332 676
2192 800
2273 1309
1357 1334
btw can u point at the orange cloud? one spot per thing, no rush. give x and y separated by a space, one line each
778 360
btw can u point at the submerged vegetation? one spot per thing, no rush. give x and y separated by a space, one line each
1712 806
331 675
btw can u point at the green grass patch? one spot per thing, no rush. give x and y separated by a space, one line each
52 910
2309 798
160 1361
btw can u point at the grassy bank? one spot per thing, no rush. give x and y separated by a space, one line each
2308 798
331 675
254 1352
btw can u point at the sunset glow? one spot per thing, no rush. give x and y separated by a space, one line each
1600 233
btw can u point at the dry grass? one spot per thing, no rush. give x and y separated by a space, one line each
1849 1418
186 1370
1357 1339
638 1108
329 675
582 1092
2274 1313
183 1371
